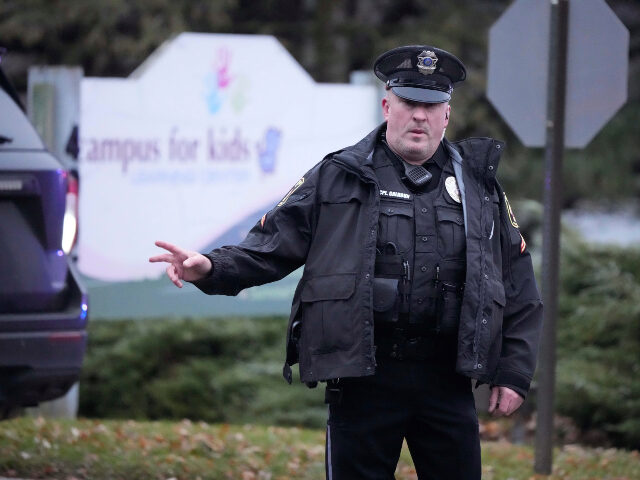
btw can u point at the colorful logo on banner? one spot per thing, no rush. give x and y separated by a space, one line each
221 86
268 150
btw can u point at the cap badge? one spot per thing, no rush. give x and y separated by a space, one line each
452 189
427 62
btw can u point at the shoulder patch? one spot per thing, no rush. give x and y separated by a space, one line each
512 217
293 189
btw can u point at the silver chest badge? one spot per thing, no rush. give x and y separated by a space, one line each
427 62
452 189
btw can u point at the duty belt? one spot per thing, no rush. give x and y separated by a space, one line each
439 348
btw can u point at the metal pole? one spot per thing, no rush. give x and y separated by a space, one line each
551 231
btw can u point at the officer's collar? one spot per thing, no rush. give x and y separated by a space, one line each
440 157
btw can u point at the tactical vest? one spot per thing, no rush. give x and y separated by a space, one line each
421 251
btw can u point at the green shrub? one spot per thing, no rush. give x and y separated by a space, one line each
598 331
218 370
598 371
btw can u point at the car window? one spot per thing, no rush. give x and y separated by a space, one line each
15 130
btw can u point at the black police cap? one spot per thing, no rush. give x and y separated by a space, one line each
420 73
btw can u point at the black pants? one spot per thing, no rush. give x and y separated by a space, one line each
432 408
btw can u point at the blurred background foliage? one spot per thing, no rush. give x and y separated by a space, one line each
330 38
216 370
599 340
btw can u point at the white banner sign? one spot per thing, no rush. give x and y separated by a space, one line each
210 129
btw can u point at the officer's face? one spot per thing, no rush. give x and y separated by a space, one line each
414 129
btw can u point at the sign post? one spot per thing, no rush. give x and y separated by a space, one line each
556 75
551 232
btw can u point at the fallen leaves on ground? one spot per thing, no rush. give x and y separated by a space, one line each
93 449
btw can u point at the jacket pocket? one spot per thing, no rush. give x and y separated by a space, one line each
451 234
494 343
327 314
490 331
395 225
498 294
494 305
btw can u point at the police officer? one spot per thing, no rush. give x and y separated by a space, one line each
416 280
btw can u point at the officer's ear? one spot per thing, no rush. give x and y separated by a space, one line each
385 107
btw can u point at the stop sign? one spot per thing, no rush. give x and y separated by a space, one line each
597 66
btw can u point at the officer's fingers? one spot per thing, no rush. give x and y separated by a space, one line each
505 406
493 399
173 276
514 404
509 400
165 257
171 273
172 248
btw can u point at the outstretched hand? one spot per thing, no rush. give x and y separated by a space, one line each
504 401
184 264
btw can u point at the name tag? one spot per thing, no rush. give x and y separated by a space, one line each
392 194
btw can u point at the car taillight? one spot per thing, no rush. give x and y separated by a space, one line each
70 225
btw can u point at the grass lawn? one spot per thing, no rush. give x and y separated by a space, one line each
129 450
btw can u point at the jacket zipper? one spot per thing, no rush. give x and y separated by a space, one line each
483 278
366 179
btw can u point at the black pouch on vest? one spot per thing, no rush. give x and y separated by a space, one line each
385 299
449 306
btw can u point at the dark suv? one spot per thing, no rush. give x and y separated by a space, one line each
43 307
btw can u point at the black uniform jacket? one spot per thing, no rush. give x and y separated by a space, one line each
329 221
